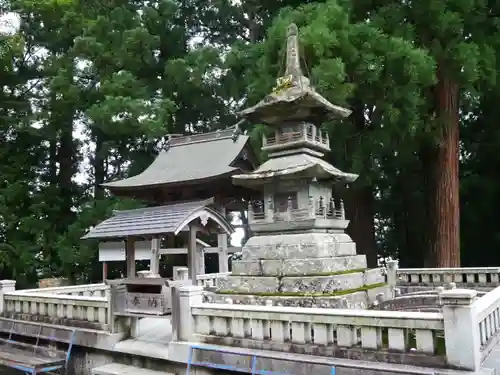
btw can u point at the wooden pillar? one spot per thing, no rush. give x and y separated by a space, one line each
192 254
154 265
222 245
130 257
104 271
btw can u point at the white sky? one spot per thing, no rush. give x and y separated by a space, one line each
9 23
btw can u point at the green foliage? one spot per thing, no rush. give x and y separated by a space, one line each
88 90
338 293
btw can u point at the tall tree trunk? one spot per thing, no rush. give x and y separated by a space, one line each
360 200
98 164
444 203
427 156
409 217
360 212
65 158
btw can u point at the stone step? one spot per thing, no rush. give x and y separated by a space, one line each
119 369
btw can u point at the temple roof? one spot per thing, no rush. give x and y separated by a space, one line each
293 98
152 221
191 159
304 164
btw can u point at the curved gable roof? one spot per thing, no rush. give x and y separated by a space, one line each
189 159
159 220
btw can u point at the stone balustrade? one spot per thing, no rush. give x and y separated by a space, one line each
324 332
72 310
459 337
487 315
415 279
320 208
304 132
89 290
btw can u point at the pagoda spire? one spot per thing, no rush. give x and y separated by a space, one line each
293 98
293 53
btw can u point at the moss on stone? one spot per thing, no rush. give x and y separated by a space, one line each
363 288
345 272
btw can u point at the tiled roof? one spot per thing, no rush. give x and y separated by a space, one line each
155 220
189 159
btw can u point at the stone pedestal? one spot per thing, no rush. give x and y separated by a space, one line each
303 269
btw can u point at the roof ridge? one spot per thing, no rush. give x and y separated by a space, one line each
202 137
201 203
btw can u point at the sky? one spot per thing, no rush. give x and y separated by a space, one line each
9 23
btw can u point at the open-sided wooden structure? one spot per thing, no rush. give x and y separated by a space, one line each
154 222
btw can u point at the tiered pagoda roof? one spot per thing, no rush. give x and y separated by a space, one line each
293 98
295 110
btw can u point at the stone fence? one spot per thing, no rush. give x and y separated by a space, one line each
82 306
458 337
89 290
417 279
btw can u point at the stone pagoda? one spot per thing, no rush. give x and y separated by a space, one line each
299 254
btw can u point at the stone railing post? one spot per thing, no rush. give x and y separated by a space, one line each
109 294
289 209
188 296
181 273
269 210
312 208
250 211
461 330
392 274
6 286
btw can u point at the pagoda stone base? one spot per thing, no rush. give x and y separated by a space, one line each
356 300
298 267
298 246
302 284
317 268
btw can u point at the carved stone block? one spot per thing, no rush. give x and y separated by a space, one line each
249 284
373 276
322 284
296 267
145 303
301 245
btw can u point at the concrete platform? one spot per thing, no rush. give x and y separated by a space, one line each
119 369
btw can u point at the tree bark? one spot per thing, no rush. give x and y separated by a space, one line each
360 212
444 203
409 215
98 164
360 199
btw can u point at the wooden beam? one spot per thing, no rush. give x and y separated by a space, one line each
130 257
192 255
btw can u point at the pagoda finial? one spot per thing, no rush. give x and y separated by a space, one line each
292 97
292 53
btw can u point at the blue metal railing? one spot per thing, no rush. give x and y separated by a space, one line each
44 370
253 364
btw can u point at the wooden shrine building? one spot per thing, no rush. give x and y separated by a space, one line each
189 185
